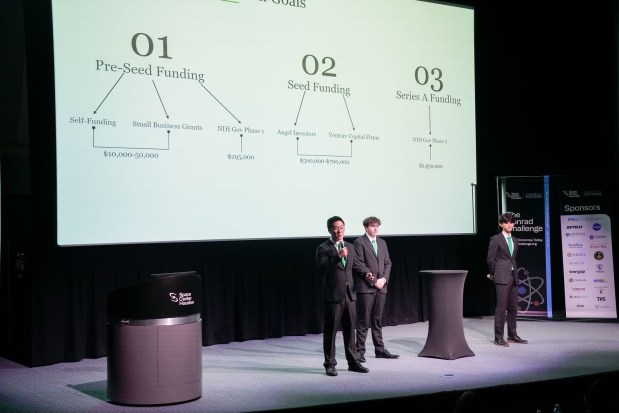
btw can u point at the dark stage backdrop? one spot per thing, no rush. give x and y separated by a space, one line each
251 290
546 105
56 309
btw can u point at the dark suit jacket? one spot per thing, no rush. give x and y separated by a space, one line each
367 261
337 280
500 263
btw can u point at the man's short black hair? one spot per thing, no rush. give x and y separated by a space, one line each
507 217
333 219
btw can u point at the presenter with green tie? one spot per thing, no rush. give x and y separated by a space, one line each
503 270
335 264
372 270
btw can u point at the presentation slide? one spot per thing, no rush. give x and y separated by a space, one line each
202 120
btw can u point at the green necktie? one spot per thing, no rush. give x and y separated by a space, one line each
510 245
375 247
339 248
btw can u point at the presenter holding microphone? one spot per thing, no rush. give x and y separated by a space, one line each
335 259
502 270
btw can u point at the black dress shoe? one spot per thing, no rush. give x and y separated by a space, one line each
361 357
331 371
357 367
500 342
386 355
516 339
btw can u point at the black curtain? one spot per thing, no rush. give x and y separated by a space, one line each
546 105
251 289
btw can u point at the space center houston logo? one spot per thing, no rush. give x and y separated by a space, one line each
581 199
182 298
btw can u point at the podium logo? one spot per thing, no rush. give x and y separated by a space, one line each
182 298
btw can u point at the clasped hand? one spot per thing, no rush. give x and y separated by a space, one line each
380 283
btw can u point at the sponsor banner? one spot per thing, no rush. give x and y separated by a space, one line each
586 245
527 198
588 266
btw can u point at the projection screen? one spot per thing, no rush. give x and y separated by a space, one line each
206 120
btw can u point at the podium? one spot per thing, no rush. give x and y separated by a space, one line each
155 341
444 289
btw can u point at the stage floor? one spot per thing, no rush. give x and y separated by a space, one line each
287 373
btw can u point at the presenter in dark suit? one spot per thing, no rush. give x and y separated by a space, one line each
335 259
372 271
502 270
